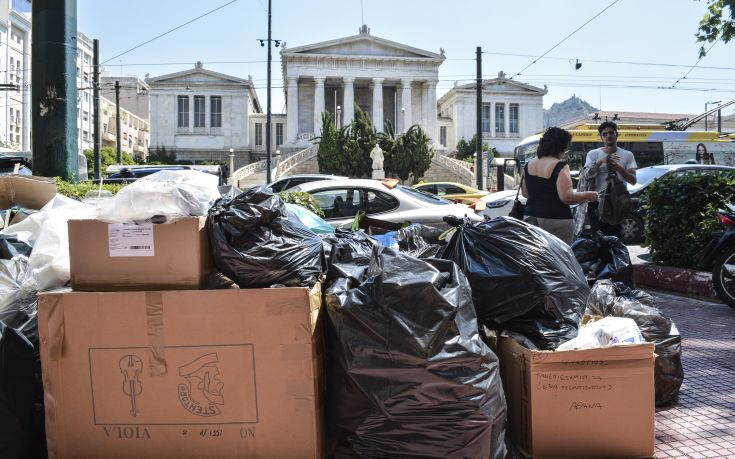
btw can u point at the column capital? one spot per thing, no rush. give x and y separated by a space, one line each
348 79
406 82
319 80
293 80
378 80
429 84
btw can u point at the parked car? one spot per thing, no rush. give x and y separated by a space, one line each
451 190
632 228
340 200
290 181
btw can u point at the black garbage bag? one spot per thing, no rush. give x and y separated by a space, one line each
604 257
616 299
523 279
419 240
408 375
256 244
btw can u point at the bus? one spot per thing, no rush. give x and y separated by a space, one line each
650 144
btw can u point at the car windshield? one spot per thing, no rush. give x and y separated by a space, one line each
645 176
422 195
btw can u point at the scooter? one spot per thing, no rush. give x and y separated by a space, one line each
719 255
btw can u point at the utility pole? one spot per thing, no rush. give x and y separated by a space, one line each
54 88
268 105
478 144
96 101
117 121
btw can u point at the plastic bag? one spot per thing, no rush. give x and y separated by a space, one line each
169 193
419 240
311 220
256 244
608 299
523 279
608 331
408 373
604 257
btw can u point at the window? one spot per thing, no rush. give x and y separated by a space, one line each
17 117
378 202
85 77
183 111
85 116
513 115
338 203
258 134
279 134
215 111
499 117
104 127
485 117
86 96
85 135
199 114
445 189
443 135
11 137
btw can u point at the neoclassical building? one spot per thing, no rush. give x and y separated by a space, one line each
511 110
389 81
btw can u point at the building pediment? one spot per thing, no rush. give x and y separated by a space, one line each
198 75
362 45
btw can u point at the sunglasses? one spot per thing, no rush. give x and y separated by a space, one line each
608 133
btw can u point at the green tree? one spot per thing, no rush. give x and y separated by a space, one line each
108 157
162 156
717 23
466 149
407 155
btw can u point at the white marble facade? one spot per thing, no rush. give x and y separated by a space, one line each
389 81
202 114
511 111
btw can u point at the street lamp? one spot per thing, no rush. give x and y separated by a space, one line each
339 119
706 104
232 161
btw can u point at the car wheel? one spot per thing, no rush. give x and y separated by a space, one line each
631 229
723 276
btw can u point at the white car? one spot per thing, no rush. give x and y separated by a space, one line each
340 200
500 204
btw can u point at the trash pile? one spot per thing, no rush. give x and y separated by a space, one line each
236 313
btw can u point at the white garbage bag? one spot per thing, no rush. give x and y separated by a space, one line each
607 331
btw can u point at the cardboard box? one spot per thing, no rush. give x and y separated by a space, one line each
25 191
595 403
182 374
113 257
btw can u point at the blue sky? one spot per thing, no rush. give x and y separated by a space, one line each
611 48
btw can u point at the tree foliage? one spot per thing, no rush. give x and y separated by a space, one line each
108 157
717 23
407 155
467 149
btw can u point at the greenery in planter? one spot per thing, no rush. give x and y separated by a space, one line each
77 190
108 157
302 199
681 213
406 155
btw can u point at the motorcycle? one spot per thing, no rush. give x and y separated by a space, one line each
719 255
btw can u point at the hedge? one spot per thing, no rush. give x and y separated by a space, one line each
681 214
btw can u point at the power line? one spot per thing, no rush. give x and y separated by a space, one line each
695 64
169 31
565 38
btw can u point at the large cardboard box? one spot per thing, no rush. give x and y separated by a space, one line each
25 191
595 403
113 257
182 374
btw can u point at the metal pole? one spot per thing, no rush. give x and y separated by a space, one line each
268 105
117 122
478 145
705 115
96 100
54 88
719 119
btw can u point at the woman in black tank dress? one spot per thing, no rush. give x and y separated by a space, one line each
547 185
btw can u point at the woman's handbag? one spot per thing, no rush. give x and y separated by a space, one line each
518 208
616 203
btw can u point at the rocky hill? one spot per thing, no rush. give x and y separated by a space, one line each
574 107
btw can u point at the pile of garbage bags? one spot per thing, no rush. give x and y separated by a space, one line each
408 375
523 279
604 257
616 299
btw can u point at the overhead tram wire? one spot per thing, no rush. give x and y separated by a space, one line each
169 31
565 39
696 63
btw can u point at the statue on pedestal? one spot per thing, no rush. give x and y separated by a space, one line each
376 154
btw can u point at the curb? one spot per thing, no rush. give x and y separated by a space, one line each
682 280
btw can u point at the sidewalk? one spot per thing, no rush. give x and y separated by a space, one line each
679 280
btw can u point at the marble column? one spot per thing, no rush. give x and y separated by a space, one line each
431 112
348 100
292 109
406 102
378 104
318 104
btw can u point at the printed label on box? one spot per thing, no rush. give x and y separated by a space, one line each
203 385
131 240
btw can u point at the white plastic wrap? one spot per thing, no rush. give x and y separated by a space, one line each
47 232
15 290
170 193
605 332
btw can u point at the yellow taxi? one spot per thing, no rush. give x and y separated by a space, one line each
451 190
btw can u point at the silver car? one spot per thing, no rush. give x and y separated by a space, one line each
290 181
340 200
500 204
